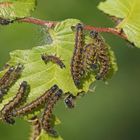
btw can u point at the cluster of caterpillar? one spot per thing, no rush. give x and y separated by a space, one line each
14 107
31 107
15 102
87 57
48 99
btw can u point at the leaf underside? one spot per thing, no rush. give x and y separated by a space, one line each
41 76
129 11
12 9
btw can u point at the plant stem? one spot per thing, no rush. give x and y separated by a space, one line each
51 24
114 31
32 20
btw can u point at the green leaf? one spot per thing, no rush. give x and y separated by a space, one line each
41 76
12 9
45 136
129 11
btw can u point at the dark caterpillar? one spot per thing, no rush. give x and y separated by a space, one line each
90 57
9 78
102 54
36 128
16 74
5 21
77 58
47 115
15 102
36 103
5 79
69 100
54 59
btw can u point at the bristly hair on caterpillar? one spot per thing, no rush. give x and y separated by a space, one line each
9 78
77 58
5 78
102 54
36 127
53 58
47 115
31 107
15 102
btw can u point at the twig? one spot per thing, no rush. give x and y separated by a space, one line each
32 20
114 31
51 24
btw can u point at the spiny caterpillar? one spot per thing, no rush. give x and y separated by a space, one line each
17 72
15 102
4 81
28 108
90 57
9 78
54 59
69 100
36 128
77 58
47 115
102 54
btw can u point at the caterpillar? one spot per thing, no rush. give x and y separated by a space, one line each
69 100
9 78
36 128
76 61
17 72
102 54
15 102
47 115
6 76
54 59
90 57
5 21
36 103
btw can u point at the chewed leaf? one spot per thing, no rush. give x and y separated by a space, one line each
129 11
11 9
45 136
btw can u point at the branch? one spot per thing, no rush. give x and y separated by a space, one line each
32 20
114 31
51 24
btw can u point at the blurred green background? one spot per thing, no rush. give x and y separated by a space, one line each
113 111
